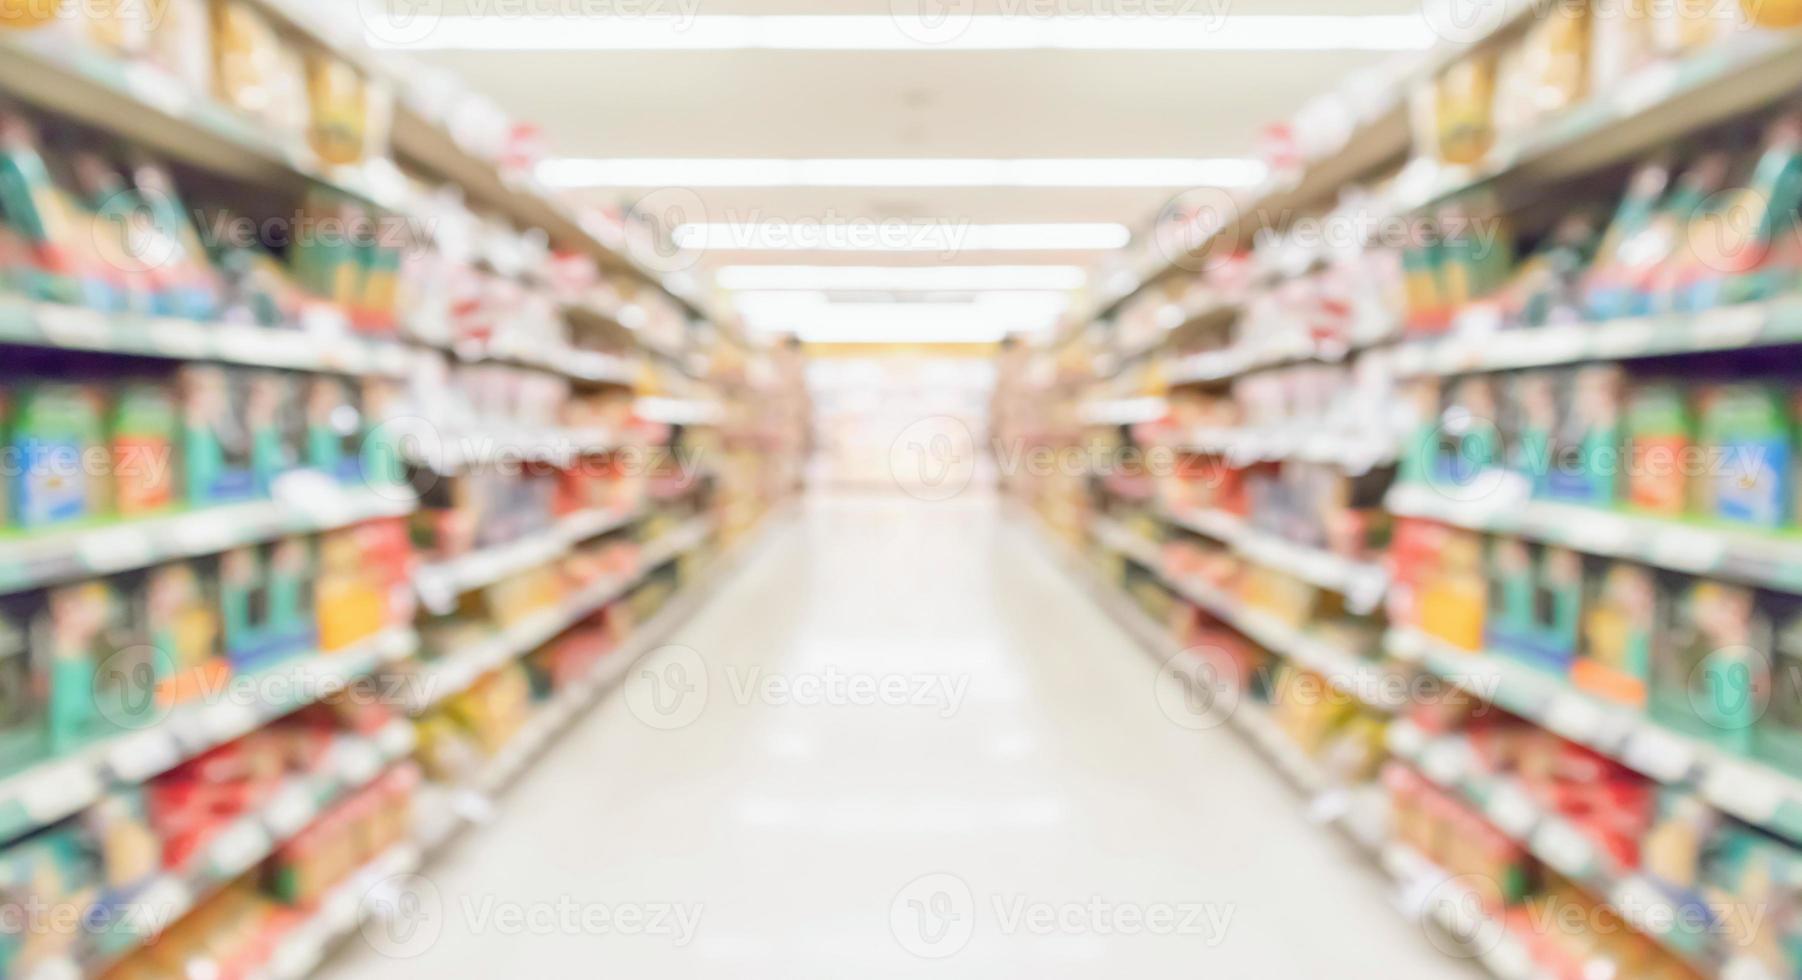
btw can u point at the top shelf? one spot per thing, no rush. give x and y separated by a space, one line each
152 109
1641 113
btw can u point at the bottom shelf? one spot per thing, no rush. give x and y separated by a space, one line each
449 810
1354 810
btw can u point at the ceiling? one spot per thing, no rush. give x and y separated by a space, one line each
924 103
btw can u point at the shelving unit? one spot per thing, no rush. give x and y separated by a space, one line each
663 385
1756 793
1187 385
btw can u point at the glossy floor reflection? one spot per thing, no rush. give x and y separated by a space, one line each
899 743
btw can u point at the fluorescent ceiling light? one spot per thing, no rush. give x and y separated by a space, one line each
901 32
944 237
1003 304
900 278
815 318
1174 172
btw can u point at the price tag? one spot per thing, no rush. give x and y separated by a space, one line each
135 758
114 549
1512 810
206 534
1510 960
157 906
74 326
1688 549
182 339
1562 847
1405 739
358 762
1729 326
1446 762
297 957
53 792
1747 793
222 723
315 495
158 88
1624 338
290 812
1645 89
396 740
473 807
1576 717
1659 754
1597 533
1644 906
239 847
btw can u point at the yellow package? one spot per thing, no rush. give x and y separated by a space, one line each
1621 42
1775 14
1464 103
247 59
25 15
1556 55
120 26
181 42
1682 27
338 127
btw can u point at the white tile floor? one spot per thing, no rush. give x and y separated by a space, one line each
900 743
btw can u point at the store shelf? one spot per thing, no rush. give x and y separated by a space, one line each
24 323
678 411
1766 558
1369 682
1362 583
341 912
1659 105
152 109
1450 763
53 789
1124 411
1357 452
1750 790
453 674
1773 323
451 449
481 568
51 557
1439 897
572 702
1329 802
352 763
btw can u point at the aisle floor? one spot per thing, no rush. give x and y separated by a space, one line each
900 742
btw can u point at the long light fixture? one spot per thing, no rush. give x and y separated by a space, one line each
901 278
1136 172
945 237
900 32
813 316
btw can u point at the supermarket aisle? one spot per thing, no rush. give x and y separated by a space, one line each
895 689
